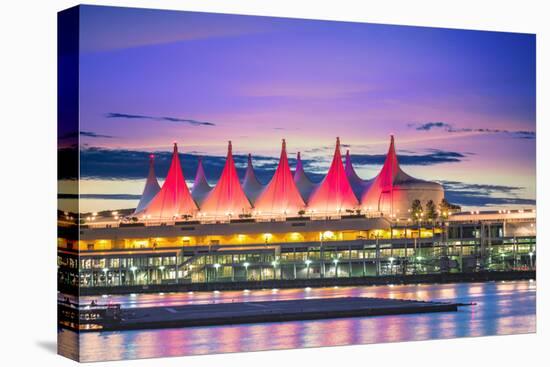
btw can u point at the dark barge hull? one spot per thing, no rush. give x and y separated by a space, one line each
261 312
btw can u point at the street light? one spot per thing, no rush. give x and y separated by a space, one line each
308 262
216 266
335 261
274 264
391 264
531 259
133 269
246 265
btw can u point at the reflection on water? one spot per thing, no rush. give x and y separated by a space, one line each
502 308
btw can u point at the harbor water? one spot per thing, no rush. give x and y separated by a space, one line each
500 308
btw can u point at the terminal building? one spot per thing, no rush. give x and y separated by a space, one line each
290 228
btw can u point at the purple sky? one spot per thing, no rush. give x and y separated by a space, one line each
255 80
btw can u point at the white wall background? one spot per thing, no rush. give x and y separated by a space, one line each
28 186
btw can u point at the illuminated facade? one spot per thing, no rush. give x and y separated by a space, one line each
190 252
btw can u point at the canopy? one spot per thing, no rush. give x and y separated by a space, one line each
152 187
251 186
281 196
393 191
201 188
174 198
227 198
334 193
303 183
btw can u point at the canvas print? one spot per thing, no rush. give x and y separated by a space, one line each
235 183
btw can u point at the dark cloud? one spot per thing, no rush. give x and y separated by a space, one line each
90 134
116 115
428 159
468 194
126 164
427 126
466 198
69 135
129 164
430 125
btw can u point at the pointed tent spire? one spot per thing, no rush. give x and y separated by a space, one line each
281 196
227 197
251 186
391 167
334 193
201 188
303 183
174 198
152 186
380 195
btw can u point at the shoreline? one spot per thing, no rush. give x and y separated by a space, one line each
301 283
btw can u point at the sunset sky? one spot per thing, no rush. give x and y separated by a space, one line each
460 103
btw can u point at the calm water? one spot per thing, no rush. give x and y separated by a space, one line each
502 308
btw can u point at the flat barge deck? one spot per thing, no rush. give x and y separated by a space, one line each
253 312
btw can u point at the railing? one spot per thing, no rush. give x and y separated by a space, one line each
226 220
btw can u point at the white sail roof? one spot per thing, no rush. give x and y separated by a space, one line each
201 188
303 183
251 186
152 186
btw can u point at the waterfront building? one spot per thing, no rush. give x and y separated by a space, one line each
293 229
189 252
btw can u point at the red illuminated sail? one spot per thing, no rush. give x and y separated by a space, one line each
251 186
227 198
174 198
152 187
201 188
281 196
303 183
334 193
